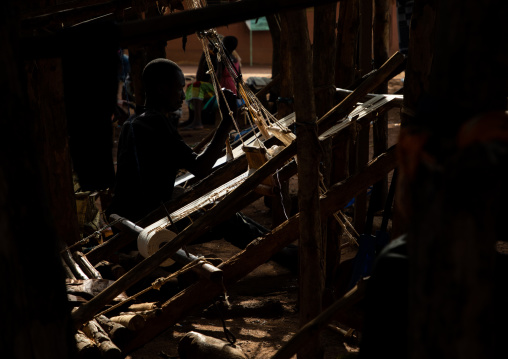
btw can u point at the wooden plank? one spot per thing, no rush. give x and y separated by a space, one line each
369 84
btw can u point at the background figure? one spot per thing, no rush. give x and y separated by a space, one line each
225 78
200 96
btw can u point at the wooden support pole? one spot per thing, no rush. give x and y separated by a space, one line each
261 250
381 37
365 43
361 152
46 93
311 278
362 157
324 51
347 40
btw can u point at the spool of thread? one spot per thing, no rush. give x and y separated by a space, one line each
151 240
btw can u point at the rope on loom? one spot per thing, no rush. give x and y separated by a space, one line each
159 282
95 234
255 108
351 239
216 83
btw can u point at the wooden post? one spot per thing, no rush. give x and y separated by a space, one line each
324 51
381 36
347 39
311 279
28 231
362 142
47 103
281 203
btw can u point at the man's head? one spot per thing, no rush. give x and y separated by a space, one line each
164 82
230 43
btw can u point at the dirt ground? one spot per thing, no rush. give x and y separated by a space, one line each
259 333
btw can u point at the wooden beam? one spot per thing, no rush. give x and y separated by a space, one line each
72 15
172 26
368 85
67 5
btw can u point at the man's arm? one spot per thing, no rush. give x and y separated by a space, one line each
204 162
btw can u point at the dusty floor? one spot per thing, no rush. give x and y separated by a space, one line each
259 334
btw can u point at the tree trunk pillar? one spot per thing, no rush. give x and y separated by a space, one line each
308 151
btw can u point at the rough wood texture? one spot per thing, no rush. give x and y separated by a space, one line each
365 41
381 40
311 277
260 250
86 347
86 266
71 263
132 322
118 333
108 350
347 39
47 103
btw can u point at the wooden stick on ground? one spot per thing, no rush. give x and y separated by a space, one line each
312 328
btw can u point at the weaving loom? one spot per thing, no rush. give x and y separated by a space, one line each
265 126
